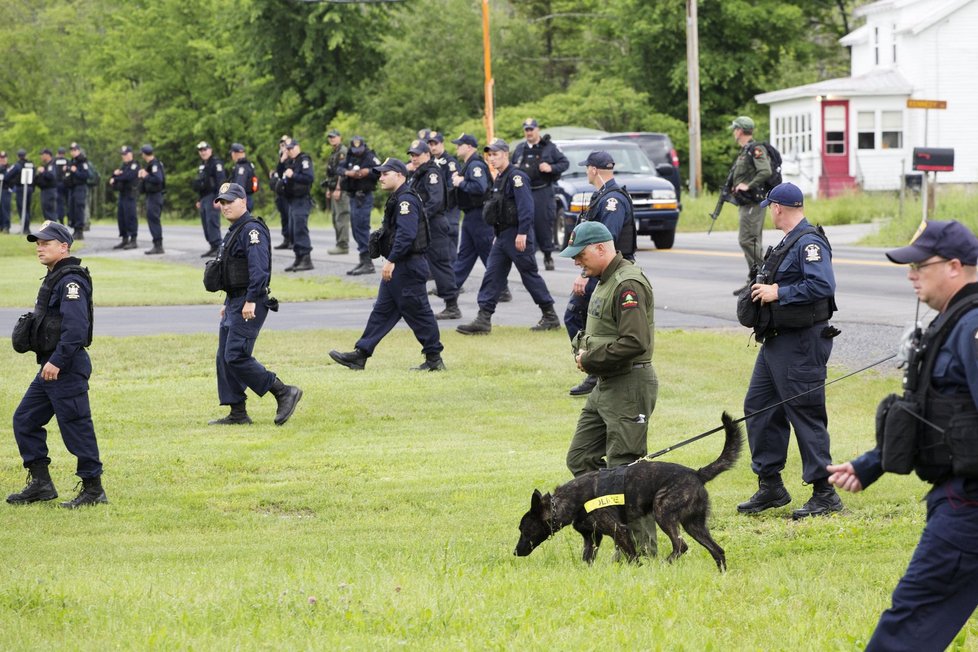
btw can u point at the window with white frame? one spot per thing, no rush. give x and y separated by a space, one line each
866 129
891 129
793 134
879 129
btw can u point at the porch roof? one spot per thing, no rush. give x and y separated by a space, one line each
887 81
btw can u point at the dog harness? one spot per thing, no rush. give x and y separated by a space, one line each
610 489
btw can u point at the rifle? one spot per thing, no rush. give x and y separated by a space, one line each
725 196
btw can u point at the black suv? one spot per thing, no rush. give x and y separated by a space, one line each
658 147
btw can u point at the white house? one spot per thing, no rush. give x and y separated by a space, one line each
858 130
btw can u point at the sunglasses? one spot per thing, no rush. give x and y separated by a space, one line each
919 266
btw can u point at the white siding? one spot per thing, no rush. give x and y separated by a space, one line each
800 165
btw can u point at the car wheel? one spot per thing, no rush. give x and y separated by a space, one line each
664 239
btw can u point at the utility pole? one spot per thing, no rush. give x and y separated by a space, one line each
489 117
693 90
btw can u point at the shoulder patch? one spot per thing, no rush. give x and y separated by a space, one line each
451 165
759 152
813 253
241 170
611 205
219 167
254 237
518 181
628 299
433 178
376 161
84 166
405 208
154 169
477 172
133 166
72 291
305 164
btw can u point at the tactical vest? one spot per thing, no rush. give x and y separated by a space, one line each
149 184
942 429
295 189
500 209
230 273
419 185
389 227
449 189
601 327
42 328
467 201
627 240
774 316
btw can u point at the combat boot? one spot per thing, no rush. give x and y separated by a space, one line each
286 244
451 310
824 500
237 417
291 268
770 493
303 264
77 235
157 249
548 261
39 486
505 296
432 362
287 397
365 266
338 250
91 493
355 359
482 325
210 253
549 321
122 244
131 244
586 387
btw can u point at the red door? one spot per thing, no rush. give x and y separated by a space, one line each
835 149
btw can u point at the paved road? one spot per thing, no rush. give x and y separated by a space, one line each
693 287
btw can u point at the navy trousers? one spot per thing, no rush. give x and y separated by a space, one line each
19 196
62 202
5 209
78 198
360 207
299 209
441 250
210 219
544 214
502 257
282 204
154 209
126 216
66 399
405 295
789 364
237 368
454 216
575 316
49 204
474 244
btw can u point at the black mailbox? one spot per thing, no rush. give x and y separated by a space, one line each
933 159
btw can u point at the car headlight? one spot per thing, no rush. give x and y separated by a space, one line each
580 202
664 194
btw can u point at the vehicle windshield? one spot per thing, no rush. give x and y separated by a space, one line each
628 159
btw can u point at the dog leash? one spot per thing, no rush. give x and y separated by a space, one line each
656 454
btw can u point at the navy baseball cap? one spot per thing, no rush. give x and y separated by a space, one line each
146 149
530 123
435 136
21 153
466 139
230 192
786 194
392 165
599 159
125 150
47 151
61 150
202 145
292 143
237 147
51 231
584 234
357 145
332 133
946 239
497 145
418 147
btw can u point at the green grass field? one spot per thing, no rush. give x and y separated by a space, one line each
384 514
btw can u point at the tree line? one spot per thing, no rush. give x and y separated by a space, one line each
175 72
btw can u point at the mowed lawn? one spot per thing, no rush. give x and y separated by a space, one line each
384 514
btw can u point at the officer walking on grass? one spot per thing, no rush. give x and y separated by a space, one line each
931 430
610 206
794 296
510 210
245 271
402 240
616 347
61 331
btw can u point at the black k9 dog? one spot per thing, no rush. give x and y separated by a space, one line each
676 494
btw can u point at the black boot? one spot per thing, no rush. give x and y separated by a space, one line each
548 261
770 493
122 244
505 296
482 325
549 321
304 263
131 244
39 486
287 397
451 310
78 235
824 500
157 248
432 362
91 493
365 266
291 268
586 387
210 253
286 244
237 417
355 359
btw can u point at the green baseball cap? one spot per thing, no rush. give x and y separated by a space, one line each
743 122
584 234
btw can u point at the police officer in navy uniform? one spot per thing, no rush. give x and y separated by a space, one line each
358 180
60 388
543 161
296 185
46 179
795 293
61 167
14 180
281 203
939 591
210 176
448 165
402 240
152 183
77 175
510 209
125 181
245 262
4 195
427 179
471 181
242 172
610 206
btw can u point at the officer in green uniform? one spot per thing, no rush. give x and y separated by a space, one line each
616 346
751 169
337 200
